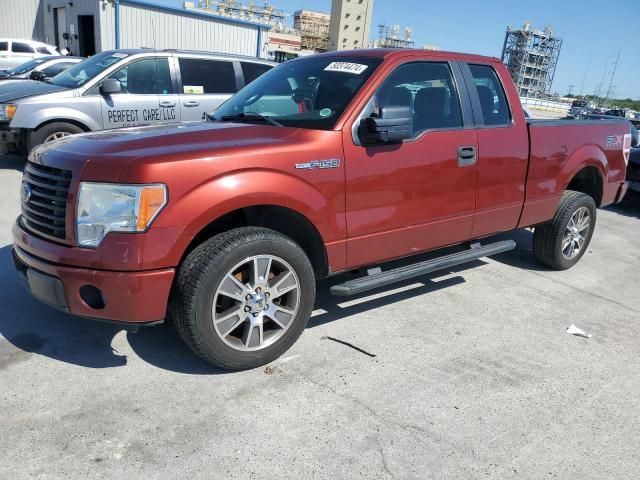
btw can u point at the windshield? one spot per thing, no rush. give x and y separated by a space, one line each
84 71
306 93
27 66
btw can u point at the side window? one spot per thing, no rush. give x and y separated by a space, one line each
429 89
18 47
56 68
495 108
4 46
207 76
149 76
251 71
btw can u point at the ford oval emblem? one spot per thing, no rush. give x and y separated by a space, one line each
25 192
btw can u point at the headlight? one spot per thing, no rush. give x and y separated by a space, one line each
7 111
108 207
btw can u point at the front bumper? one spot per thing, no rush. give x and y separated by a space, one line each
130 297
10 139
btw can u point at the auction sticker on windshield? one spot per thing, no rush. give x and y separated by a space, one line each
346 67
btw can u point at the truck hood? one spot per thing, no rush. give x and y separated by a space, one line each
102 155
25 88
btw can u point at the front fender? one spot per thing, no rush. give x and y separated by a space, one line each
321 203
34 117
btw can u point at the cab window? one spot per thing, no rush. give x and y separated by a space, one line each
4 46
428 88
149 76
495 109
207 76
251 71
18 47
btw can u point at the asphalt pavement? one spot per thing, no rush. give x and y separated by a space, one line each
463 374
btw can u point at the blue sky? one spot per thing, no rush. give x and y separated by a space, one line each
587 27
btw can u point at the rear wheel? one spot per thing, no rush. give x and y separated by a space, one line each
562 242
243 297
51 132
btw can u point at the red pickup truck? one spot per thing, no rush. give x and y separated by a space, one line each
325 164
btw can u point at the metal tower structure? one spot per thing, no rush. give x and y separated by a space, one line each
531 57
389 37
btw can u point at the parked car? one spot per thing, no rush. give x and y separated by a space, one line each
122 88
579 107
325 164
633 170
14 52
41 68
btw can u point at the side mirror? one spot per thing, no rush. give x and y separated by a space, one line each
392 125
110 86
39 76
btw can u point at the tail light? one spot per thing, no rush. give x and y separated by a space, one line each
626 148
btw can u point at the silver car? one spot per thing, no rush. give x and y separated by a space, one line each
121 88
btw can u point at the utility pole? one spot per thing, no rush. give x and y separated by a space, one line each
613 74
586 71
571 87
604 76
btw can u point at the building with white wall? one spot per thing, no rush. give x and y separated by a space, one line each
350 24
85 27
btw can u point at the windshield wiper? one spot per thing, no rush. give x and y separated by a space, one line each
250 116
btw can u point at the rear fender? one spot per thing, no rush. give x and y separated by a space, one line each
587 156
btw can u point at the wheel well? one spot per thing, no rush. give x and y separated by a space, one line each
589 181
282 220
64 120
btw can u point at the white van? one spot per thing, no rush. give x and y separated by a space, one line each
14 52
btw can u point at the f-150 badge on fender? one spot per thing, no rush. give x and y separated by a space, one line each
333 163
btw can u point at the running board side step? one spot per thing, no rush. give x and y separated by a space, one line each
359 285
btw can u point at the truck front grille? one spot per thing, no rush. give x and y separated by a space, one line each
44 199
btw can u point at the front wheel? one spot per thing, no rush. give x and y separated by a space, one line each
562 242
243 297
51 132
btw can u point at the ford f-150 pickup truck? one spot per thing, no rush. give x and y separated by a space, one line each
325 164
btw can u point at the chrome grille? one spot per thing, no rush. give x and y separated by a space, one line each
44 199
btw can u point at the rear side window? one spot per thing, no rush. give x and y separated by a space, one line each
251 71
207 76
18 47
495 109
4 46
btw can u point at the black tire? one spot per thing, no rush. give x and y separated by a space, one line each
40 136
548 238
202 273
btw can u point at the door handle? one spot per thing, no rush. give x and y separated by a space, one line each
466 156
191 103
167 104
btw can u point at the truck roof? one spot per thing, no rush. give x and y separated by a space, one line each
390 53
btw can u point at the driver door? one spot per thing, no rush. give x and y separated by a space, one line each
146 97
409 197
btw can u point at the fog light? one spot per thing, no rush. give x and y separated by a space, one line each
92 296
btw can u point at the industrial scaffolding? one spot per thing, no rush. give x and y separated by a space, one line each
389 37
266 14
531 56
313 28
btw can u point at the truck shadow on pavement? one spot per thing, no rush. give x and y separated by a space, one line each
31 328
12 162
